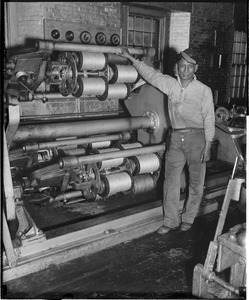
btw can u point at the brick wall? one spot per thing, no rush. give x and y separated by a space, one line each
206 17
30 16
29 21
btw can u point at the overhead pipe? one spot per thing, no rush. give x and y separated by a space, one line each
67 142
41 132
73 161
59 46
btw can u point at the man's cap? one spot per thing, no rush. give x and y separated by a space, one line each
189 55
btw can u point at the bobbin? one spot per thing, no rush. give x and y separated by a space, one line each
106 188
123 73
91 61
114 89
136 163
142 183
81 86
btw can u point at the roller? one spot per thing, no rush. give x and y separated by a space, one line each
52 131
73 161
94 139
48 96
52 46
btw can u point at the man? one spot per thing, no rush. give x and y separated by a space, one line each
191 111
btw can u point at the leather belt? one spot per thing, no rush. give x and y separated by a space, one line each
188 129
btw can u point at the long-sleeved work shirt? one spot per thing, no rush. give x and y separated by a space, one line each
191 106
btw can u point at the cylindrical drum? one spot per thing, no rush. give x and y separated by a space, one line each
142 184
90 86
116 91
115 183
123 73
147 163
91 61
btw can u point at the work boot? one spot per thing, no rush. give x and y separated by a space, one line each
164 229
185 226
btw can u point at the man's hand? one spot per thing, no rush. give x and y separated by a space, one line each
206 153
125 53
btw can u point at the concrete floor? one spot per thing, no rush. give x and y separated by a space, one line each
152 266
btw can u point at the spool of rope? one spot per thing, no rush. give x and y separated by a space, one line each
116 91
91 61
147 163
142 184
115 183
90 86
122 73
97 145
110 163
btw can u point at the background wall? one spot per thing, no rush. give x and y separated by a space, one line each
205 19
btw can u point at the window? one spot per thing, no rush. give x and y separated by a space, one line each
239 66
143 31
146 28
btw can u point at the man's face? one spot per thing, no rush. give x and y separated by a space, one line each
185 69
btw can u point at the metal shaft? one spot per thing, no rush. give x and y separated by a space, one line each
73 161
45 145
49 96
51 46
42 132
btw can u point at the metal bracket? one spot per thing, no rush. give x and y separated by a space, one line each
154 119
14 120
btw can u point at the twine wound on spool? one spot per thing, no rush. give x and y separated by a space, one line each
115 183
92 61
147 163
142 184
116 91
123 73
90 86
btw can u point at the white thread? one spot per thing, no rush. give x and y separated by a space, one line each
119 182
117 91
142 184
148 163
93 86
93 61
126 74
